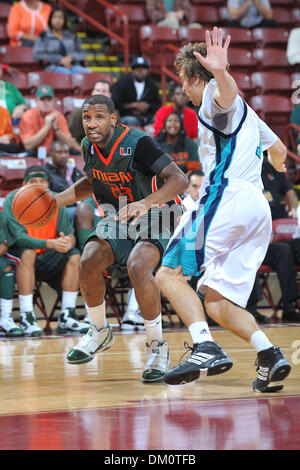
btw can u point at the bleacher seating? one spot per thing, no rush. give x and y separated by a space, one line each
72 102
136 18
205 15
60 82
20 80
242 60
153 39
271 83
20 57
82 83
4 12
271 59
274 110
271 37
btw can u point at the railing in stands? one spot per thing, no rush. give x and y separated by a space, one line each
124 19
165 72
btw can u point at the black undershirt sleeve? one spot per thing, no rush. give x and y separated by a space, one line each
149 159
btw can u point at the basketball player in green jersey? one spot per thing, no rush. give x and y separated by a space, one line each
136 184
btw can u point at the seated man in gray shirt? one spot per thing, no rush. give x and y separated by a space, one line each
250 14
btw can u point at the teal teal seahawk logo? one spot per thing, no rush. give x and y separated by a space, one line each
125 153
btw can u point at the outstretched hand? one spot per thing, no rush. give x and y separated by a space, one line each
216 59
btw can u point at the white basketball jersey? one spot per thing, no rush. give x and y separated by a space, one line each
231 141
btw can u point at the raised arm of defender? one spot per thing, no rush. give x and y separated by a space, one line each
216 62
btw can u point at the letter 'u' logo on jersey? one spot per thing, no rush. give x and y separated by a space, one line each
124 152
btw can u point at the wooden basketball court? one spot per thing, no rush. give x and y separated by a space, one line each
48 404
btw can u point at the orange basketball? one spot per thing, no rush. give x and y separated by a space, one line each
33 205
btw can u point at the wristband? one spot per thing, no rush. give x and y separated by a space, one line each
5 67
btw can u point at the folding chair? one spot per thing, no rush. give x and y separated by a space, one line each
283 230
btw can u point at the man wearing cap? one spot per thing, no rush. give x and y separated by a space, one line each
42 125
136 96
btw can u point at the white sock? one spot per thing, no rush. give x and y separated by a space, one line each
98 315
25 303
68 299
200 332
153 329
132 305
6 307
260 341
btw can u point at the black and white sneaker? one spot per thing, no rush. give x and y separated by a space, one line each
272 366
207 358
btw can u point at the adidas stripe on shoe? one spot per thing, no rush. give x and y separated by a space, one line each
207 358
272 366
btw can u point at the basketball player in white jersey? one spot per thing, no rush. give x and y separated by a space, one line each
226 238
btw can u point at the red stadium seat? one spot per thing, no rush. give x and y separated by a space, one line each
4 39
282 3
136 18
240 37
271 59
187 35
60 82
274 110
241 60
271 37
244 83
4 12
72 102
152 41
83 83
20 57
205 15
271 82
20 81
283 17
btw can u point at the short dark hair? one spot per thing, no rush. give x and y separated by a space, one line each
189 66
100 99
34 169
195 173
102 80
54 10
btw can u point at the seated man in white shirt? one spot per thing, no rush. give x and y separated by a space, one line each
190 202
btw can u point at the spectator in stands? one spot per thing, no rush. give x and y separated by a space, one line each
7 287
42 125
61 175
9 141
27 19
14 100
191 200
179 105
101 87
136 96
171 14
295 119
58 48
250 14
47 254
172 140
281 256
293 48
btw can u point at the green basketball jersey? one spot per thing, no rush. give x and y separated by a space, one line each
113 171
